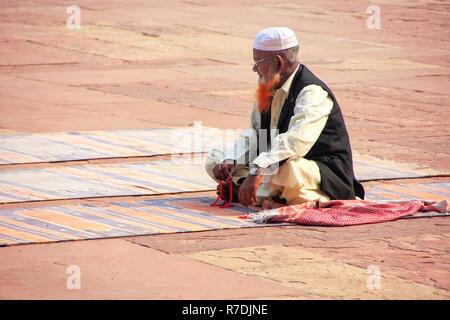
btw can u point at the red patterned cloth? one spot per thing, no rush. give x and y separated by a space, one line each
340 213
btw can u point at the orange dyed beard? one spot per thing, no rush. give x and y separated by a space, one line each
265 91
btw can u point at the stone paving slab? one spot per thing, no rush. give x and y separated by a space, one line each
319 275
147 56
119 269
412 257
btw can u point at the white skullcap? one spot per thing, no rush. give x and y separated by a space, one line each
275 39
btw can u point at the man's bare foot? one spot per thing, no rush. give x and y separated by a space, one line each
270 203
226 191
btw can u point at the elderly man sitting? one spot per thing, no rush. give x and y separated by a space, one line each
296 148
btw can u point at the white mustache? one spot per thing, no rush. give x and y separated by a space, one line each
263 80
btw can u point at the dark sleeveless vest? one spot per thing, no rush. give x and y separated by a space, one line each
331 151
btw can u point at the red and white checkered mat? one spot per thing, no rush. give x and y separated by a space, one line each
341 213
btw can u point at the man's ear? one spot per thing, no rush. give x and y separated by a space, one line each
280 62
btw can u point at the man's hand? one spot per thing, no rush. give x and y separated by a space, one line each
248 189
223 171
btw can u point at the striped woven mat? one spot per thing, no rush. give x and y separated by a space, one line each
150 178
117 219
